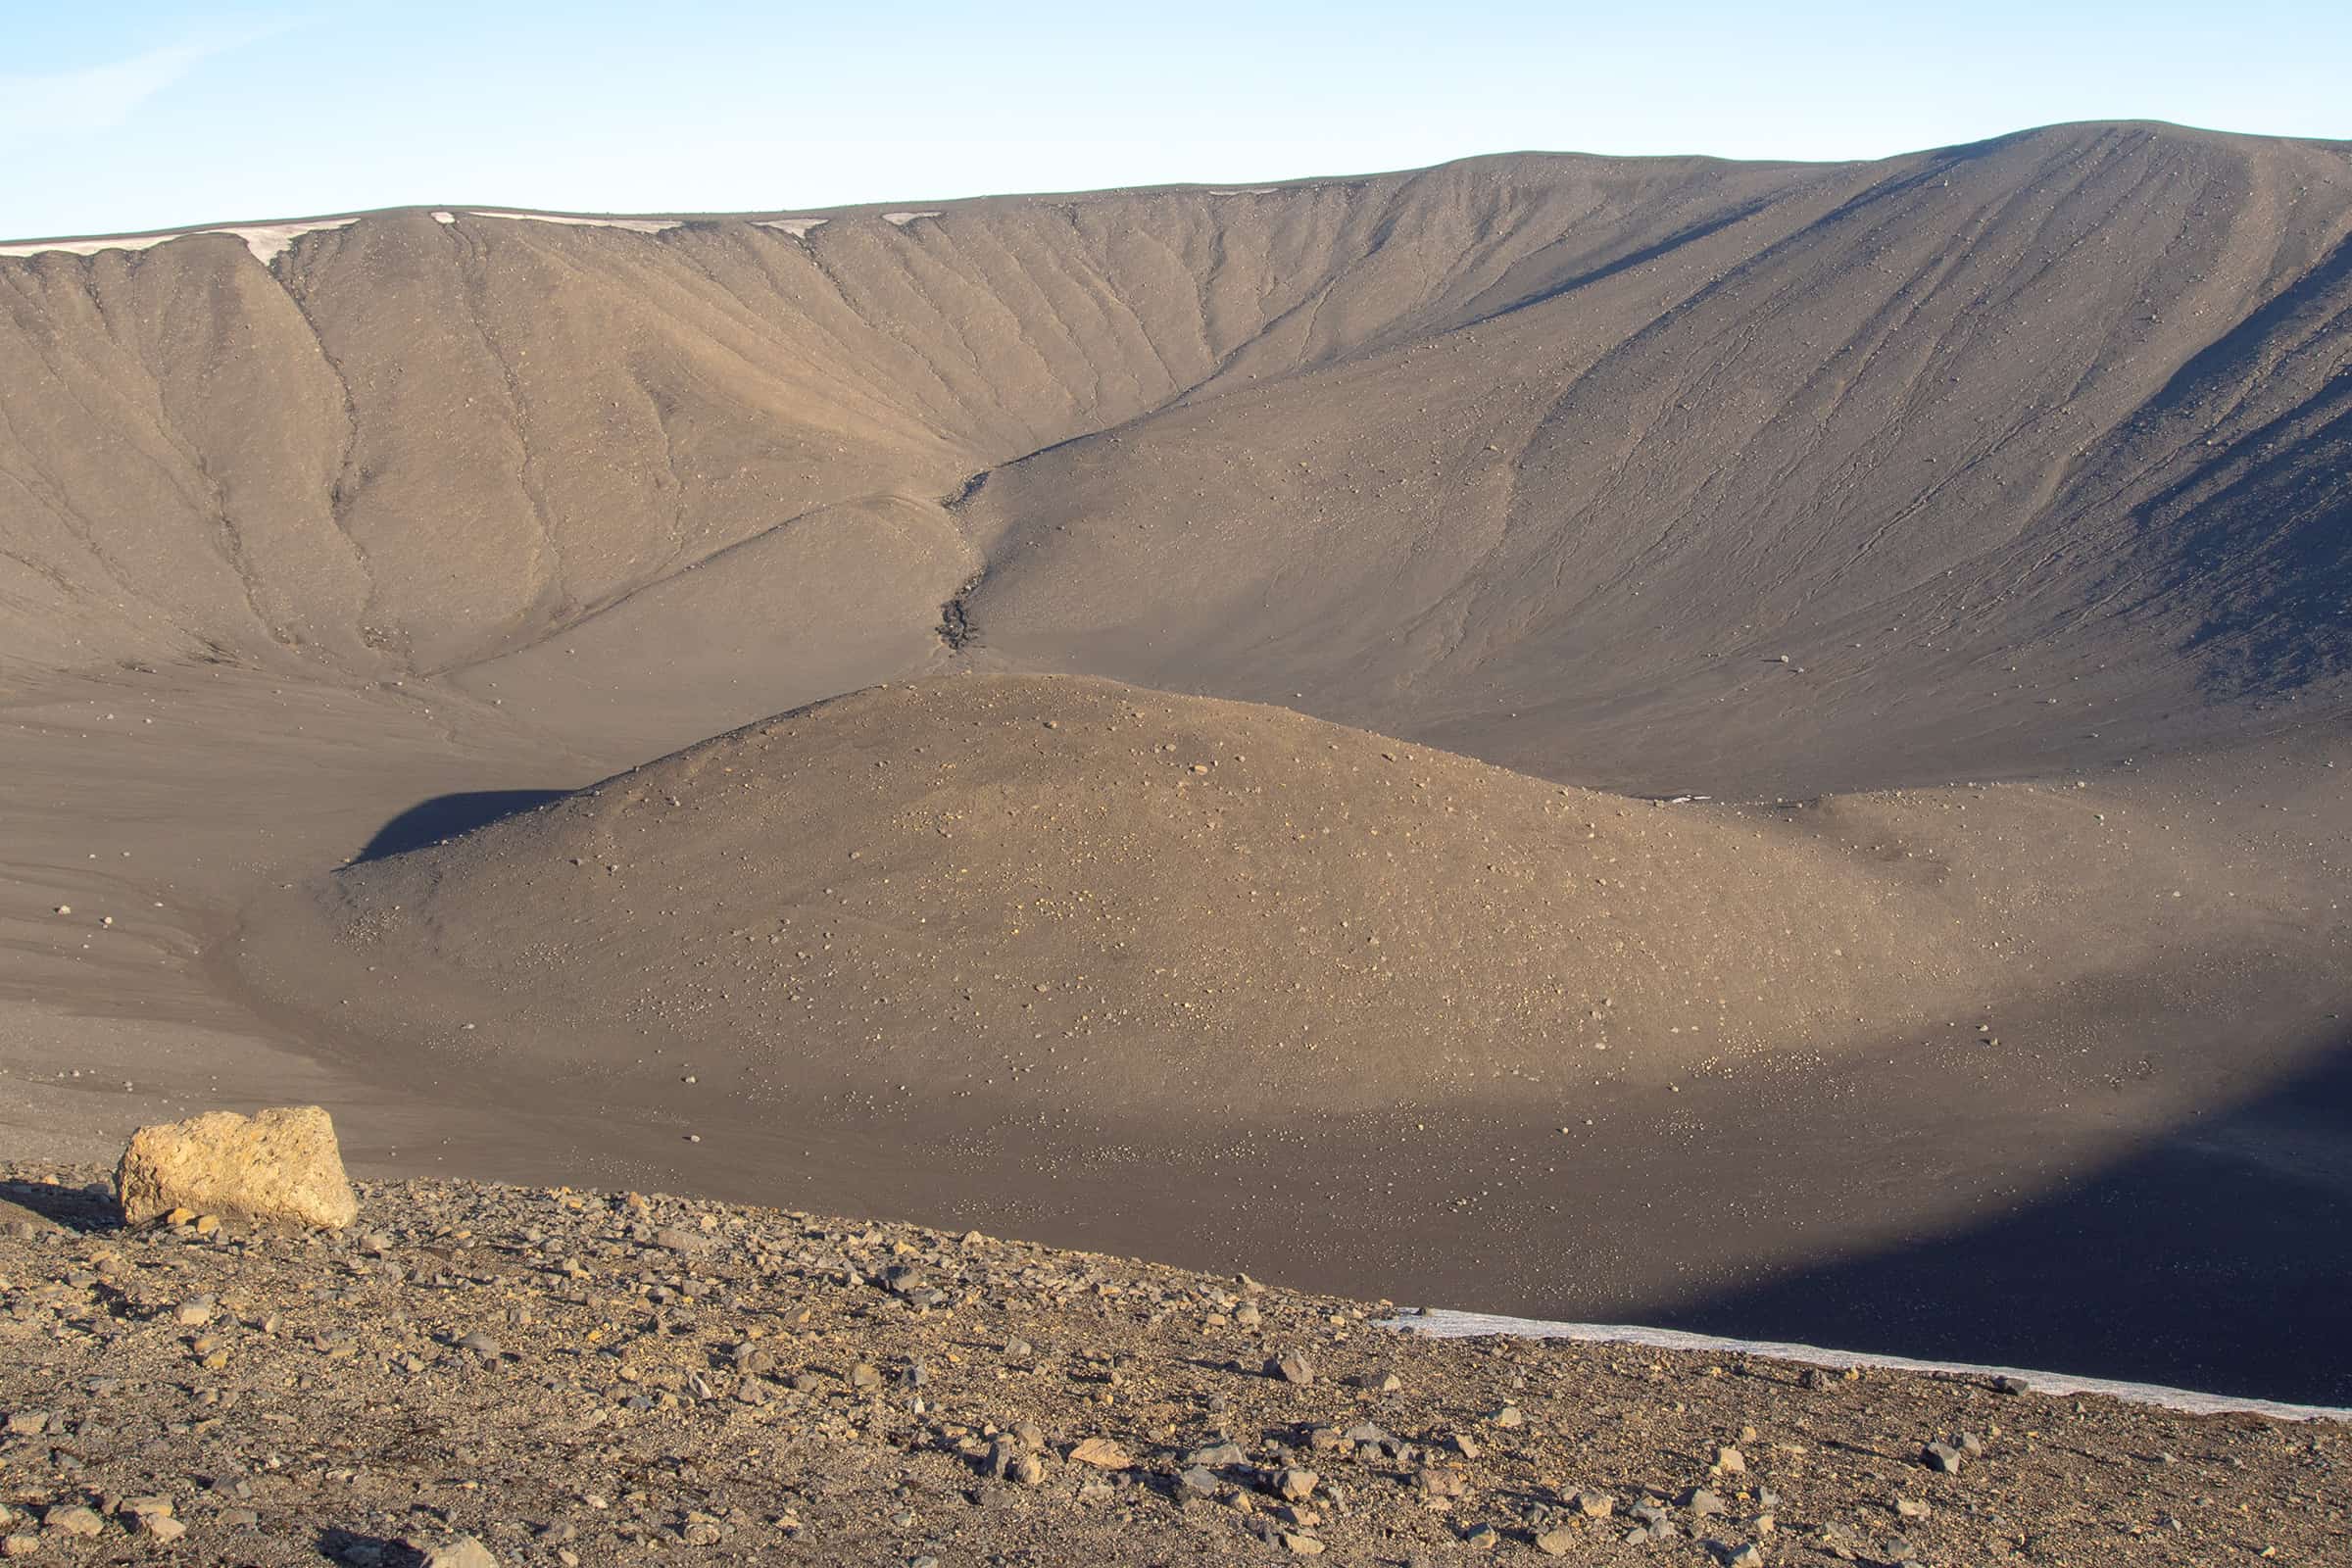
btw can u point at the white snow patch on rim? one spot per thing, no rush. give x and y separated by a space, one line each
1443 1323
902 220
267 241
1253 190
635 225
797 227
445 217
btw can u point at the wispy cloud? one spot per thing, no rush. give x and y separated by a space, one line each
37 105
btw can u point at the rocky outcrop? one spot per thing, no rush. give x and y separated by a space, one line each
279 1164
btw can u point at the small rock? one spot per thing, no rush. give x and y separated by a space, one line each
1291 1367
1103 1453
74 1521
1747 1555
1199 1481
1555 1543
1296 1484
458 1551
1594 1505
1435 1484
1508 1416
1704 1503
1301 1545
23 1223
1483 1537
1911 1508
1729 1461
1942 1456
481 1344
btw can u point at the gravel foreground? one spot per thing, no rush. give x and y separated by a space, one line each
574 1377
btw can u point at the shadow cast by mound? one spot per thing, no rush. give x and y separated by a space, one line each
448 816
2219 1259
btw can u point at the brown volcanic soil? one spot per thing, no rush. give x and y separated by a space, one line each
2017 462
585 1378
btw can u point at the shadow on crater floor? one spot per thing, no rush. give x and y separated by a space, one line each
2217 1257
446 816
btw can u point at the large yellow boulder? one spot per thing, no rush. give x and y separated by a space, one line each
279 1164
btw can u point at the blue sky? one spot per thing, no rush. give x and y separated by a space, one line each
146 115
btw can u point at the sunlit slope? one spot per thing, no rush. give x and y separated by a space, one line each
1647 472
440 440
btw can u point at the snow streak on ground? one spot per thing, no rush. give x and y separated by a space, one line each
1447 1323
